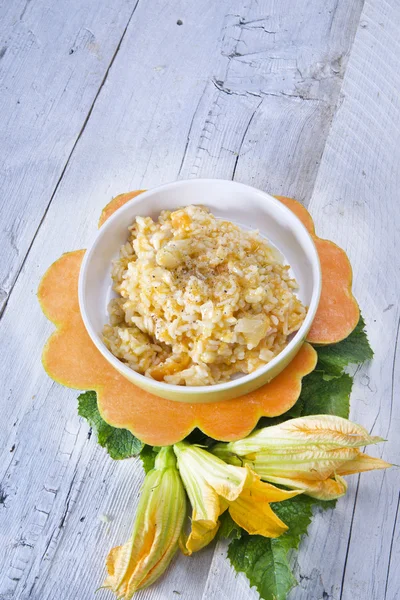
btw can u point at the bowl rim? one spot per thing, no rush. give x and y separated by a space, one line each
132 375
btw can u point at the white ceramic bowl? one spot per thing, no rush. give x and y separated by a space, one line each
232 201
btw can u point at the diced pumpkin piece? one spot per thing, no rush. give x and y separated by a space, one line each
169 367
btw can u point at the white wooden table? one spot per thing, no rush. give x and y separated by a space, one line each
98 97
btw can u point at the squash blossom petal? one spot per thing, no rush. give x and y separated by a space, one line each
326 431
314 464
214 486
361 463
330 488
158 526
252 512
309 454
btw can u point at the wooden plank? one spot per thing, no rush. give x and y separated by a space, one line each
49 552
151 123
275 91
53 59
355 202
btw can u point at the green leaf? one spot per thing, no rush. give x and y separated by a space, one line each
296 513
324 391
119 443
197 437
354 350
148 457
327 389
319 396
265 561
229 529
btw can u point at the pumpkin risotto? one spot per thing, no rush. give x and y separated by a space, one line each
199 299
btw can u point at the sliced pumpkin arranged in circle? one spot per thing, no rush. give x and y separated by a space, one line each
71 358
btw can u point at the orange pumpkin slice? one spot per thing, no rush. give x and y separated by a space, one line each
71 358
115 204
338 311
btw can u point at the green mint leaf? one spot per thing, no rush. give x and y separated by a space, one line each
265 561
319 396
324 391
148 457
327 389
197 437
265 564
119 443
353 350
296 513
229 529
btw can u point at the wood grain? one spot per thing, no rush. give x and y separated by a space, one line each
53 60
243 90
355 203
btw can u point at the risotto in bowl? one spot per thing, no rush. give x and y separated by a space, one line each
200 290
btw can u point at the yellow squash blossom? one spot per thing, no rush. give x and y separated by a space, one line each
214 486
157 529
309 454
